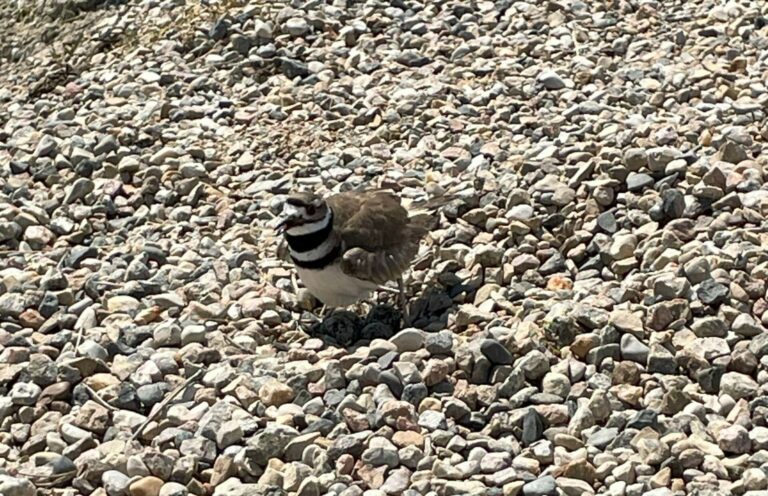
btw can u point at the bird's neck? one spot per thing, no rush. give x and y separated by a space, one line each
315 244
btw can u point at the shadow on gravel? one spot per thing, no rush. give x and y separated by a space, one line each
344 328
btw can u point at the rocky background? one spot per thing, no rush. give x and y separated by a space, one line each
590 310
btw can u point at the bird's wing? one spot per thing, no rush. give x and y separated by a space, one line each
379 240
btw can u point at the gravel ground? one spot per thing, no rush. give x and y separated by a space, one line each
590 313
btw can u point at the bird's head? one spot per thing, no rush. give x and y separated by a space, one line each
303 213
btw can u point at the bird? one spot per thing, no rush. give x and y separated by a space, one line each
348 245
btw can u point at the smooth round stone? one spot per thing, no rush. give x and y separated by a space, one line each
408 340
551 80
115 483
146 486
173 489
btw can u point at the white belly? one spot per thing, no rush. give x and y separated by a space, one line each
333 287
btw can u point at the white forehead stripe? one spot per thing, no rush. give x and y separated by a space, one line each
289 209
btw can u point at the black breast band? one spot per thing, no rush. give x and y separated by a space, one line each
320 263
307 242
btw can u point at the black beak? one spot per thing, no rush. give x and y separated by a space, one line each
281 226
284 223
290 217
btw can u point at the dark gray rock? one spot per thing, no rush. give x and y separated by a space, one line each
496 352
533 427
633 349
638 182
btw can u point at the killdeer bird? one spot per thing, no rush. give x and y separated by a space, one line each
348 245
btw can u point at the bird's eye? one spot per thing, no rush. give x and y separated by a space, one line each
310 210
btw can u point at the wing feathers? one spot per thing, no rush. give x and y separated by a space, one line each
378 237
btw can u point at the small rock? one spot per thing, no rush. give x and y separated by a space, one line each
25 393
673 203
709 327
556 384
115 483
81 188
738 385
712 293
638 182
745 325
574 487
12 486
146 486
296 26
432 420
440 343
496 352
634 350
661 361
732 153
543 486
275 393
408 340
550 80
734 440
533 427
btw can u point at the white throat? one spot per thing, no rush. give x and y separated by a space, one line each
310 227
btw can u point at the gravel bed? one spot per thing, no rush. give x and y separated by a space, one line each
590 311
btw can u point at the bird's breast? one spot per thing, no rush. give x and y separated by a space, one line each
333 287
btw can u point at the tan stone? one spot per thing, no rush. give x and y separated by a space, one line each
401 439
275 393
581 470
583 343
31 318
146 486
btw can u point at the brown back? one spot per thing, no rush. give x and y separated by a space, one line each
378 238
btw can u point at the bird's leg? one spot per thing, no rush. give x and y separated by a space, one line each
402 301
325 311
387 289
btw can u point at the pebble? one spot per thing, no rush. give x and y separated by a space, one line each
173 489
551 81
275 393
408 340
738 385
115 483
544 486
25 393
633 349
496 352
12 486
712 293
146 486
